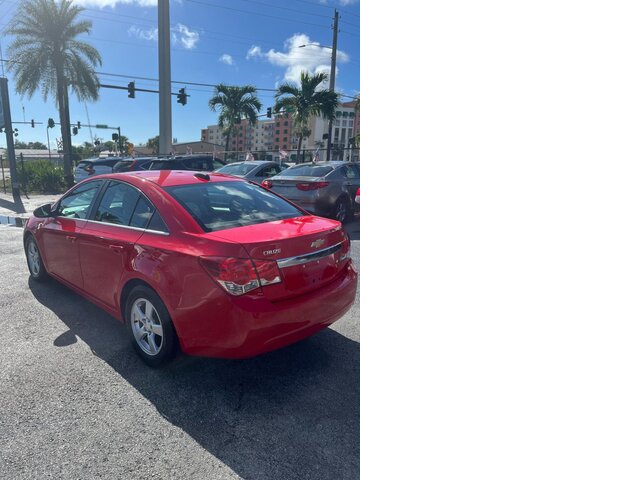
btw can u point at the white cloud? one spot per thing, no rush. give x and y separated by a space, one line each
149 34
254 51
347 2
179 34
226 58
187 38
113 3
312 58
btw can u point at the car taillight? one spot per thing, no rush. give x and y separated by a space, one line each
306 186
267 183
241 275
89 169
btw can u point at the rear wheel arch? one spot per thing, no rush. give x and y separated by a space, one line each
126 289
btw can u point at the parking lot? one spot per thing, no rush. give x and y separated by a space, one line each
76 402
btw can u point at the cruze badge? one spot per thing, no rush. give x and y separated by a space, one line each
318 243
272 252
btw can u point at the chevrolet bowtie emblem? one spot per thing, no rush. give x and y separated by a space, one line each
318 243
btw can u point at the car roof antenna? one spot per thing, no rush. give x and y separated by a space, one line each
202 176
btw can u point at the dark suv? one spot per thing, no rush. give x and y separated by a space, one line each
204 163
133 164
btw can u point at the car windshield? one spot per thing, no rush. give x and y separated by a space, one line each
306 171
221 205
237 169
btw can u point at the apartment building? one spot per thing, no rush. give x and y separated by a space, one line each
275 134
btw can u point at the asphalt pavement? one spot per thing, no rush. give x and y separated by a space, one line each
76 402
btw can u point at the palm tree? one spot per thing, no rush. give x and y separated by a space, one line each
47 55
235 104
306 101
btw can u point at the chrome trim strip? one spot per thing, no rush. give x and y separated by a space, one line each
308 257
127 226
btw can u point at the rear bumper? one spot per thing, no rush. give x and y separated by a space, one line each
245 327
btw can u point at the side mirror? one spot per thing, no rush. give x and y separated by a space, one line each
43 212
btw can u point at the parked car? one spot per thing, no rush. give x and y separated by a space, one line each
133 164
326 189
357 200
255 171
94 166
210 264
201 163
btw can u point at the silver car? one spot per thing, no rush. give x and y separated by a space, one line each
327 189
254 170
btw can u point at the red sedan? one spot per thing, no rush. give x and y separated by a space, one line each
211 264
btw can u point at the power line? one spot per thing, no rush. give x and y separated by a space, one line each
255 13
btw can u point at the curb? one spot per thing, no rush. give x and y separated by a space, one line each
13 221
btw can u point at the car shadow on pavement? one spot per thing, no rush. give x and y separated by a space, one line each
289 414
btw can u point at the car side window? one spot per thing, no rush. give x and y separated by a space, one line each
199 164
142 213
339 173
77 203
349 172
271 171
117 204
156 223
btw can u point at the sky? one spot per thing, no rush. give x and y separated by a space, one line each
237 42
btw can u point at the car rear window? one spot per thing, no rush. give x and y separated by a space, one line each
122 165
238 169
307 171
222 205
162 165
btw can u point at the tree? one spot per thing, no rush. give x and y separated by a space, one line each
30 145
306 101
235 104
47 55
154 143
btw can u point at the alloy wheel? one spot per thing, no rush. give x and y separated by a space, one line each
33 257
146 326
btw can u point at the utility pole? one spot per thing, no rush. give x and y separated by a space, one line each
164 66
5 122
332 79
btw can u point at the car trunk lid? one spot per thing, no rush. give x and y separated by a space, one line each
309 251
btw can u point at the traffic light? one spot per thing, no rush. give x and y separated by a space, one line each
33 123
114 137
75 130
132 89
78 124
269 112
51 123
182 97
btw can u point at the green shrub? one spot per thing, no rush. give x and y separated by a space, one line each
41 176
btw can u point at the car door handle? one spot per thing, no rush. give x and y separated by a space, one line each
349 184
116 248
71 238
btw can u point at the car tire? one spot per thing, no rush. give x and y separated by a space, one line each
342 210
150 327
35 263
